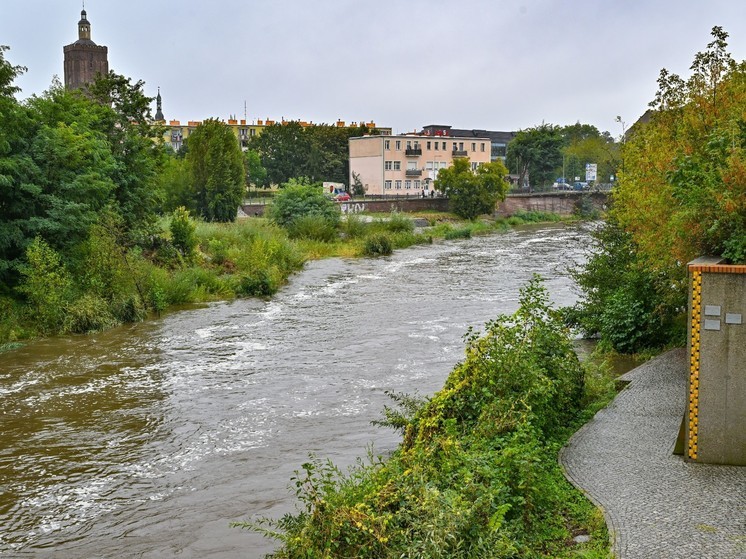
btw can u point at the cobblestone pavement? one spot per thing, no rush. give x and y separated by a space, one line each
656 505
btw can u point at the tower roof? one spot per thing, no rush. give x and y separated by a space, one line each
83 18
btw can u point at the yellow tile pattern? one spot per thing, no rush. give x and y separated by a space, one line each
694 363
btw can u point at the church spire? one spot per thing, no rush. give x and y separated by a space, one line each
158 110
84 26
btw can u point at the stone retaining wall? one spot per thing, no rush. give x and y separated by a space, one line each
562 203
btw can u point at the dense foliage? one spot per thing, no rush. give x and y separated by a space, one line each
536 153
476 475
473 193
299 199
216 167
289 150
545 152
681 194
69 158
683 190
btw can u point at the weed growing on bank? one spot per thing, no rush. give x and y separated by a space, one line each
102 283
476 474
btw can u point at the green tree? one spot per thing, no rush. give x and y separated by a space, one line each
472 193
683 191
123 115
183 233
681 194
285 150
583 143
299 199
256 174
216 167
536 153
46 285
175 185
18 176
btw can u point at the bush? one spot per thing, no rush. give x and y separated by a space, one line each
313 227
89 313
398 223
377 244
630 307
46 284
461 233
182 233
476 475
354 227
296 201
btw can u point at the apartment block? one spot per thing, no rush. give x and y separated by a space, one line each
408 164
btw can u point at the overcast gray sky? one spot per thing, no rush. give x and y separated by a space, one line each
491 64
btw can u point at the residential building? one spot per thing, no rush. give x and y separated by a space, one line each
498 140
408 164
84 59
175 132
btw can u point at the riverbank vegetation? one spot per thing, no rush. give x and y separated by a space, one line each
476 474
681 195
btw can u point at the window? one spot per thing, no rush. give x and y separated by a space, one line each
455 146
443 165
407 185
398 145
416 185
498 149
387 144
397 165
474 165
482 147
387 185
444 146
409 144
461 146
428 145
252 132
398 185
429 166
387 165
436 146
411 165
473 146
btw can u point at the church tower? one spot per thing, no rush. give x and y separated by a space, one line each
158 108
84 59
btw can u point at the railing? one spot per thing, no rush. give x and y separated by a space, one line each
413 152
413 173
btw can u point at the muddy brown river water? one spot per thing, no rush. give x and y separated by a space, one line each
146 441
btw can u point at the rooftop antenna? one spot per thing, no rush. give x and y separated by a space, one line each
244 110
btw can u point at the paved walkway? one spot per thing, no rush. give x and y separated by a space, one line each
656 505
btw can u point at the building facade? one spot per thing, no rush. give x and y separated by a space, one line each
407 165
175 132
84 59
498 140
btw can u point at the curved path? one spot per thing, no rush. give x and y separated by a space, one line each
655 504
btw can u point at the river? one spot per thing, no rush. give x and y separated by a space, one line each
147 440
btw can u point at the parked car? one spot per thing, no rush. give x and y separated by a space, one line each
580 186
343 197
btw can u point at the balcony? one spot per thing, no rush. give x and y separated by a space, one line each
413 152
459 153
413 173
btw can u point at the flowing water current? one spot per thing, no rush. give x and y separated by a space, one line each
146 441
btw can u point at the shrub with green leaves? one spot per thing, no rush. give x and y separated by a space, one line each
476 475
298 200
377 244
47 286
182 233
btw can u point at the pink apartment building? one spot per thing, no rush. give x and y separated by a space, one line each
408 164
